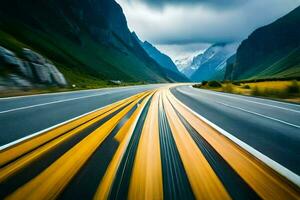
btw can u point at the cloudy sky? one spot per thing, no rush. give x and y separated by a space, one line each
183 28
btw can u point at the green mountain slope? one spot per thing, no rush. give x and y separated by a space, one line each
83 38
161 59
271 51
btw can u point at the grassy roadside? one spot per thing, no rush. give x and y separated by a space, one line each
44 90
279 90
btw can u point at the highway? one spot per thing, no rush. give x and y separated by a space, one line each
21 116
167 141
268 126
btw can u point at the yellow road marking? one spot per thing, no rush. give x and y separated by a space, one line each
49 183
146 179
17 150
204 182
123 136
263 180
25 160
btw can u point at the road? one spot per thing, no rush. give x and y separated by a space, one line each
148 142
26 115
271 127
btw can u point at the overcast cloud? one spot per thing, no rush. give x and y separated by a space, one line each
178 27
214 3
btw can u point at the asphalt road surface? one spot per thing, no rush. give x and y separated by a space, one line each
148 142
22 116
271 127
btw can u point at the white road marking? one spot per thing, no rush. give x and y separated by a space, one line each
261 115
52 102
275 119
291 176
52 94
47 129
66 92
244 99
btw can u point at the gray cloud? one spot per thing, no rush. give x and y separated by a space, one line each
187 22
179 51
214 3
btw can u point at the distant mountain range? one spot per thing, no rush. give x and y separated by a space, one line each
209 65
82 38
272 51
162 59
90 40
183 63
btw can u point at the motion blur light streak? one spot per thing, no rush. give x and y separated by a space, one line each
150 169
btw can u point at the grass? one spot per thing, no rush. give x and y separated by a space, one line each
93 59
280 90
88 67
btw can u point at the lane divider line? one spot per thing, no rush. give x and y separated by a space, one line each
14 151
175 181
113 90
261 115
146 178
52 181
15 166
243 99
6 146
204 181
123 137
251 165
294 178
52 102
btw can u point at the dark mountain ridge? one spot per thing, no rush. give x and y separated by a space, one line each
161 59
80 37
272 51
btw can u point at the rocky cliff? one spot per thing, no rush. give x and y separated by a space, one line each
30 71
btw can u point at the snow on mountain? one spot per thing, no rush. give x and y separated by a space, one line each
184 63
213 60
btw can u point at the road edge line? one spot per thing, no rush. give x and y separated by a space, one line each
288 174
5 146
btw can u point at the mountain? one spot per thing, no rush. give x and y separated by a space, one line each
272 51
229 65
211 64
82 38
195 62
183 63
162 59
